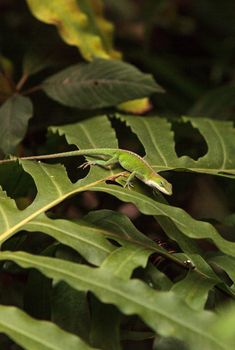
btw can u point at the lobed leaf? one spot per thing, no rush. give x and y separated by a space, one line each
124 260
85 134
162 311
88 240
158 140
51 180
184 222
36 335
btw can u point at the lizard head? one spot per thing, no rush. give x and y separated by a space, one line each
159 183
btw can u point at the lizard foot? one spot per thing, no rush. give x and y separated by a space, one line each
129 185
86 164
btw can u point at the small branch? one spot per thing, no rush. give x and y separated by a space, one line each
22 81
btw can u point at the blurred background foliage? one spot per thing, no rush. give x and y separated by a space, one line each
188 45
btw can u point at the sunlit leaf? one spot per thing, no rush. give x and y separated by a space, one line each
36 335
139 106
80 23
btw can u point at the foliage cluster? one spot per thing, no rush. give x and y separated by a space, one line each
86 263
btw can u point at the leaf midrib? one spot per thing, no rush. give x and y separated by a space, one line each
102 82
67 233
5 235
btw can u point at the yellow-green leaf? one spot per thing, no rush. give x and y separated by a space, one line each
139 106
80 23
34 334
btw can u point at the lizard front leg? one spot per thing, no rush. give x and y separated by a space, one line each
128 181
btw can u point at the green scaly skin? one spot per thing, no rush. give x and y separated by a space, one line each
128 160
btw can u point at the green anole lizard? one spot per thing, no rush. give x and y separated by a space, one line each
128 160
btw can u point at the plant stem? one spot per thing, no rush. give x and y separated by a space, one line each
22 81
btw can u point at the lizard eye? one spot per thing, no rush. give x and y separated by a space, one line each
161 183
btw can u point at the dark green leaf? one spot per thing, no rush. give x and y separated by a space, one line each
105 326
164 312
99 84
70 310
14 116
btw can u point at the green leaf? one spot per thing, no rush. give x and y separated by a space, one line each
124 260
101 83
85 134
194 288
224 326
36 335
157 279
227 263
88 240
120 228
186 243
49 179
184 222
80 23
14 116
162 311
158 140
53 180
